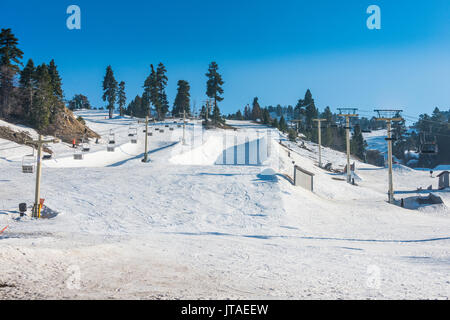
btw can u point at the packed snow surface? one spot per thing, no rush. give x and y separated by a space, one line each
182 226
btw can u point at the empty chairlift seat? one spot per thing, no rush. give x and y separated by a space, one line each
28 164
111 143
78 155
132 132
86 147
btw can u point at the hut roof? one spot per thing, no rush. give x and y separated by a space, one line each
443 173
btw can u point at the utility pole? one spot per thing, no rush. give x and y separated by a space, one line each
208 103
145 160
38 143
298 124
348 113
389 116
319 129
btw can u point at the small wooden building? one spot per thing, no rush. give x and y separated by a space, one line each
303 178
443 179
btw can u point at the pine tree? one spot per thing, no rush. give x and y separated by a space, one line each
265 116
57 92
182 100
110 90
256 111
357 143
10 56
150 95
27 83
247 113
282 125
214 87
203 112
79 101
121 97
55 80
162 102
43 98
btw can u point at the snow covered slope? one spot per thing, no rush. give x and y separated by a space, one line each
183 227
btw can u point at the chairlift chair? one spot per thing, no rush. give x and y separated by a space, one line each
111 142
78 154
85 145
428 146
132 132
112 138
28 163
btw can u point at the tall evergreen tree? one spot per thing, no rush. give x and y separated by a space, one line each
357 143
247 113
150 95
55 80
182 100
57 92
122 98
10 56
282 125
43 98
110 90
265 116
256 111
214 86
161 81
27 83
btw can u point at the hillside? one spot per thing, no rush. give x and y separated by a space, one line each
187 226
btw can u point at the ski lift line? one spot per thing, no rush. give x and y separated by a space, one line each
425 120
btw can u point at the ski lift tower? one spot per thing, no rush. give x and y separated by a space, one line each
389 115
209 103
147 134
38 144
297 124
319 134
348 113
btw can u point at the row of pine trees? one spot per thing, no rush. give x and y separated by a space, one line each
305 112
154 95
32 94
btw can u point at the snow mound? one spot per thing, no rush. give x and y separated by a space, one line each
401 168
267 172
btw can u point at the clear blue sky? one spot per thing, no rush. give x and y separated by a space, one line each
271 49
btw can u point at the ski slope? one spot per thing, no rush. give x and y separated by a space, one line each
182 226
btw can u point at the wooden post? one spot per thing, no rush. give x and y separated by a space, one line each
145 160
348 113
319 128
38 143
394 116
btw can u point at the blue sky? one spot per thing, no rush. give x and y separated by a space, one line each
274 50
